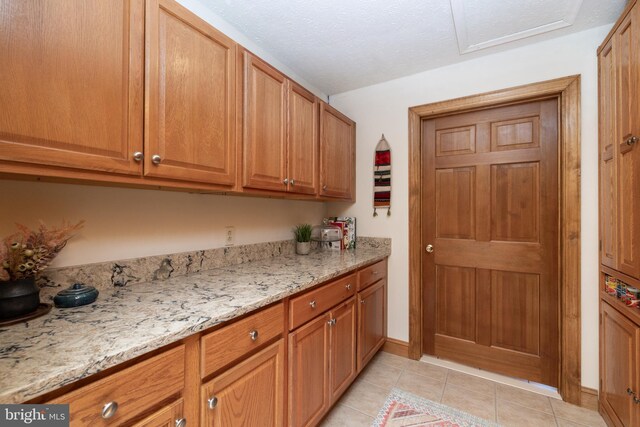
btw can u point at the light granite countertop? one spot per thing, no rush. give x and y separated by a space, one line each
67 345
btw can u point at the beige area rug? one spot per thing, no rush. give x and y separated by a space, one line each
408 410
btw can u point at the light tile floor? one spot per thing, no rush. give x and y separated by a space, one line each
507 405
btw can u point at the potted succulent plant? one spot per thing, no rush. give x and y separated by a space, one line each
302 233
23 255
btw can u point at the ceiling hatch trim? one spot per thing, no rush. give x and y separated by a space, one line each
461 21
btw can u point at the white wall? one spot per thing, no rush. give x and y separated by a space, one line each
383 108
199 8
126 223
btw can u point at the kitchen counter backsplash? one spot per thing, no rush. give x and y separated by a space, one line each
110 275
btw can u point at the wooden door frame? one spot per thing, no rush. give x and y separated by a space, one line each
567 91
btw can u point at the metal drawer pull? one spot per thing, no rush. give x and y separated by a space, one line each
182 422
375 272
138 156
636 400
313 304
285 181
253 335
348 286
630 392
212 402
109 410
293 182
156 159
361 301
332 322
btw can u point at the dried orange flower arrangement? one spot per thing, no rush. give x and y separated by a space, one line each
26 253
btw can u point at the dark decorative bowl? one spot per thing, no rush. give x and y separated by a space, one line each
76 295
18 297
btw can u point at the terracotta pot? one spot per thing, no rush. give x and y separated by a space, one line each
18 297
303 248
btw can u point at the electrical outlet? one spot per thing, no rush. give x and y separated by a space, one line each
229 236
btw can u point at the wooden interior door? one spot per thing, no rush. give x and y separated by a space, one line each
608 156
302 141
619 350
190 97
627 46
491 292
337 153
309 372
71 83
372 321
343 348
265 117
249 394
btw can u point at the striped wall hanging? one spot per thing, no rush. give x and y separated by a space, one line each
382 177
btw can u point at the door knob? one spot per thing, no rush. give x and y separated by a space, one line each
429 249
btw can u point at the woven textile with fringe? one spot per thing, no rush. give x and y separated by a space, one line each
382 177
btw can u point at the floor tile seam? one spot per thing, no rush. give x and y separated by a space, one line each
356 409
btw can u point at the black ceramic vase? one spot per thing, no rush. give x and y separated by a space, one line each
18 297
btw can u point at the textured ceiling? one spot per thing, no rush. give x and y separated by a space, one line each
339 45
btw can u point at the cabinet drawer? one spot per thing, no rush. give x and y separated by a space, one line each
135 390
371 274
307 306
225 345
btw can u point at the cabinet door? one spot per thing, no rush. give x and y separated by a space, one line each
71 83
627 40
309 372
337 153
608 155
264 125
249 394
302 141
619 348
169 416
372 322
190 90
343 348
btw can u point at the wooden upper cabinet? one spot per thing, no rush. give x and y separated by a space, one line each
264 125
71 83
190 97
608 150
627 51
302 147
337 154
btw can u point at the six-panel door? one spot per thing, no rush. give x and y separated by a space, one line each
190 97
71 83
491 213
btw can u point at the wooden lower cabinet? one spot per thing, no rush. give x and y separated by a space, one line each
249 394
372 321
169 416
309 372
322 363
343 369
619 382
